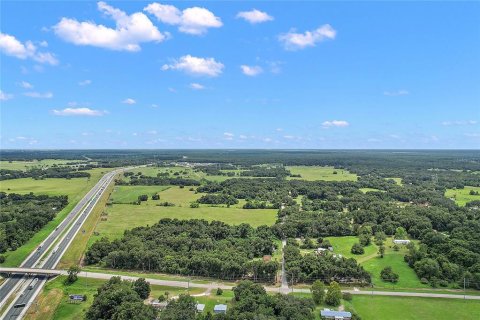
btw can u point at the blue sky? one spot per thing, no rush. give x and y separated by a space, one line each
240 74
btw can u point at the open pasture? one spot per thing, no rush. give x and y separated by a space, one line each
321 173
462 196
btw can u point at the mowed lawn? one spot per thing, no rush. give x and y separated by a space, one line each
321 173
371 261
343 245
462 196
413 308
127 216
407 276
75 189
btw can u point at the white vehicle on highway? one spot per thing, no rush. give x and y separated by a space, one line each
32 284
55 250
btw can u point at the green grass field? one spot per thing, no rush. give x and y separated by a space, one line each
413 308
321 173
53 302
462 196
374 264
74 188
397 180
25 165
211 300
365 190
129 194
126 216
407 276
185 172
343 245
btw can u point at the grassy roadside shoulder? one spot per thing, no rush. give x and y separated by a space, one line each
75 251
15 258
53 302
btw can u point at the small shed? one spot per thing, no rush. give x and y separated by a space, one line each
321 251
220 308
400 241
200 307
159 305
335 315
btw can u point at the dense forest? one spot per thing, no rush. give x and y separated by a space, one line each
191 247
21 216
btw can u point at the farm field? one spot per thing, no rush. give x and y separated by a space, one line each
126 216
25 165
321 173
184 172
462 196
53 302
408 308
129 194
75 189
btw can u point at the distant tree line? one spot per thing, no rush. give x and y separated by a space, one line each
39 174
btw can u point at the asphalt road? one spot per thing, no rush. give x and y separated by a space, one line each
84 207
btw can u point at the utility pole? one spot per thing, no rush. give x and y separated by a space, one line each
464 293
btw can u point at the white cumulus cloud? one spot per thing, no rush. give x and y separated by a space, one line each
194 20
196 66
228 135
10 46
39 95
5 96
335 123
84 82
401 92
460 123
129 32
254 16
26 85
295 41
251 70
78 112
129 101
196 86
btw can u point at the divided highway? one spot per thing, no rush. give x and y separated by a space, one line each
66 231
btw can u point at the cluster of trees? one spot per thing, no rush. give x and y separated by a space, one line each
262 171
157 181
311 267
121 299
250 301
21 216
217 199
39 173
191 247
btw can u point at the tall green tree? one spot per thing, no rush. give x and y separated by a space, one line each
334 294
318 291
142 287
